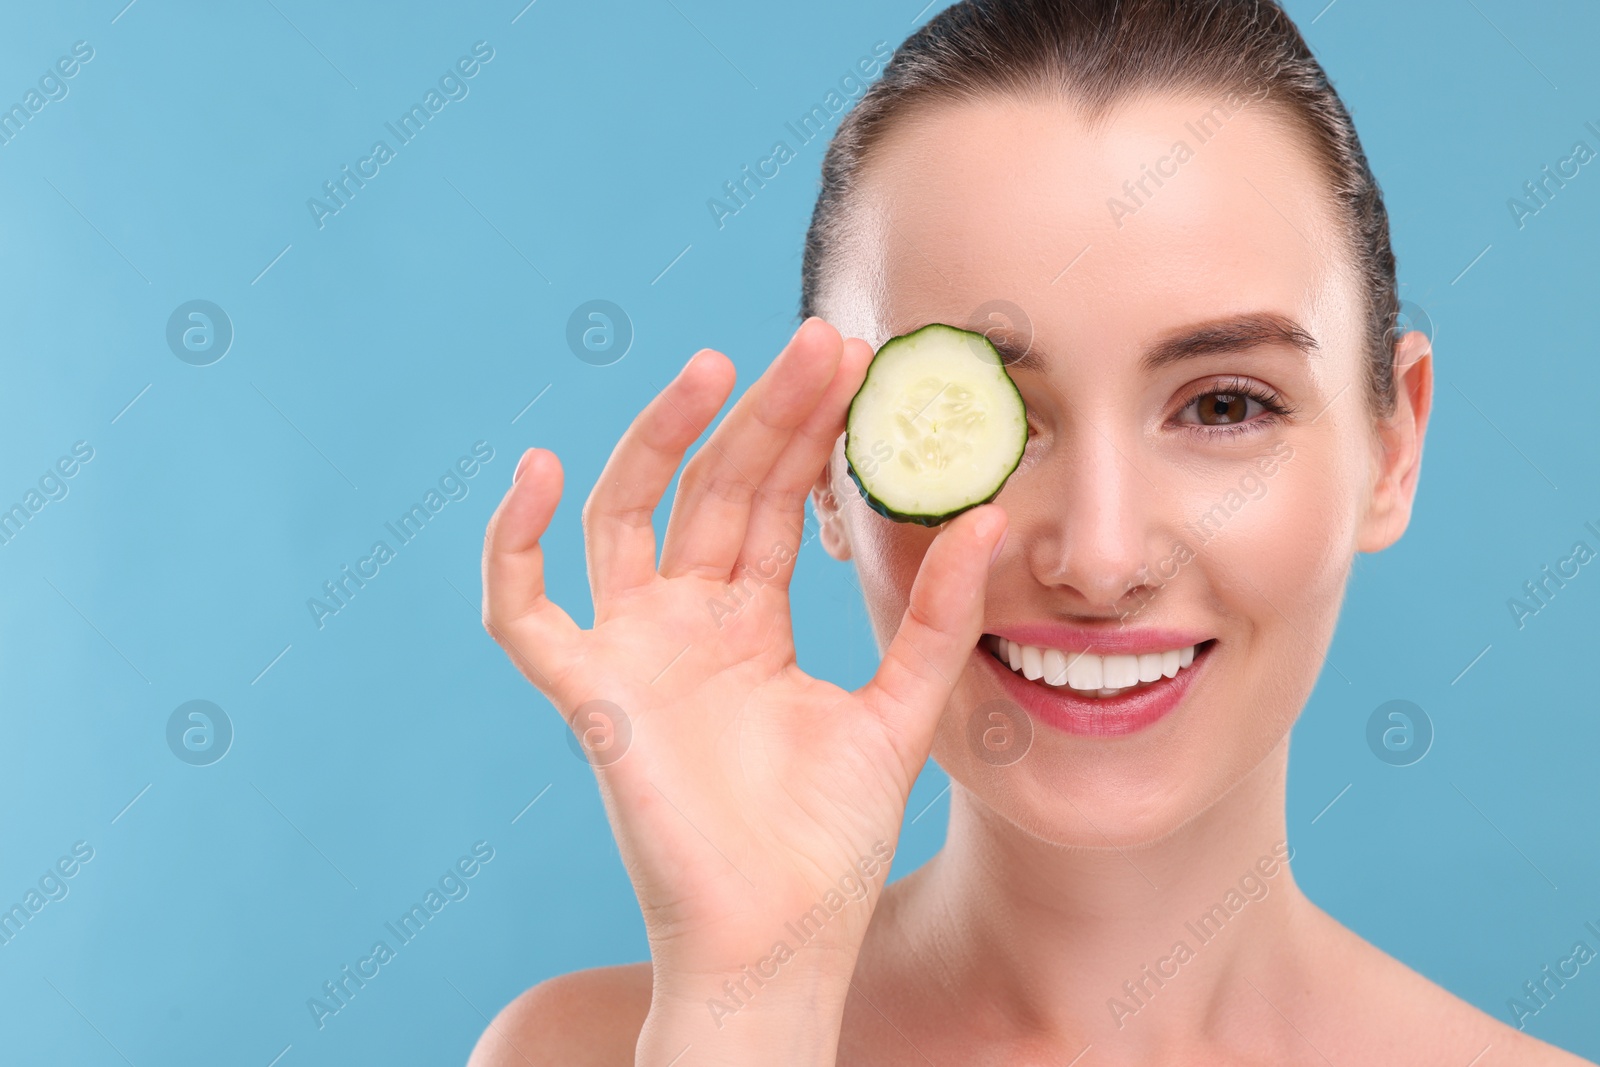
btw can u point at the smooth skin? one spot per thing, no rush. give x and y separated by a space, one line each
750 788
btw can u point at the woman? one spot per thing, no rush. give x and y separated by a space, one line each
1171 200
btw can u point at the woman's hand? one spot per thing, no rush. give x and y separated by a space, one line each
748 790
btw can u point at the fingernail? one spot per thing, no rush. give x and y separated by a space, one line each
998 545
691 361
521 463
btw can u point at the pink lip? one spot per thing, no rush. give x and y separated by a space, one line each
1108 641
1097 716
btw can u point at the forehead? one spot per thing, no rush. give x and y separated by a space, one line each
1170 210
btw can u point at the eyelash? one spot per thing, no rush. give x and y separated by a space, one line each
1277 409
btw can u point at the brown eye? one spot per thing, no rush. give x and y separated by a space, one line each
1222 409
1232 406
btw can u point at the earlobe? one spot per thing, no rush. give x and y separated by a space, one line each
830 519
1401 436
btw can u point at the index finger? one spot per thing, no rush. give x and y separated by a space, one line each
619 537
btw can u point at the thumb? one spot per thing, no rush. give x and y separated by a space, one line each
937 634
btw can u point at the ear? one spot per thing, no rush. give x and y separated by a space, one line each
830 517
1400 436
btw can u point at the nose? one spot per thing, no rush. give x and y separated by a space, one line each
1093 526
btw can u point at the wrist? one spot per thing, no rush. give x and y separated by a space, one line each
772 1013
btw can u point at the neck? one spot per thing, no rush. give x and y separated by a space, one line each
1134 947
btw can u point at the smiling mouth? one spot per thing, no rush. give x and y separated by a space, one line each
1088 674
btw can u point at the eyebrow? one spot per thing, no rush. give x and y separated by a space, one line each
1235 333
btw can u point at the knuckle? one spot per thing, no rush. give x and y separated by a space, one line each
693 475
919 620
729 487
783 501
494 620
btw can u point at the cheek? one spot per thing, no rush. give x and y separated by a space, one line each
1280 569
1292 542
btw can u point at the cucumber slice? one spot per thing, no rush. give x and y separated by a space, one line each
937 426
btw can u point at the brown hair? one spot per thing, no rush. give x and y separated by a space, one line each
1101 52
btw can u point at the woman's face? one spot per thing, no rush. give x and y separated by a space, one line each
1204 460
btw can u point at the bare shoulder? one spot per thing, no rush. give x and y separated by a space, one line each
1436 1026
583 1019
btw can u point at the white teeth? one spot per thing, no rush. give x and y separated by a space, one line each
1170 662
1088 672
1032 662
1121 672
1085 671
1055 666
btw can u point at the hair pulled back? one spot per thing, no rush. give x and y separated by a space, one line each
1099 53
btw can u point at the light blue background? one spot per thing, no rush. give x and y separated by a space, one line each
425 317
